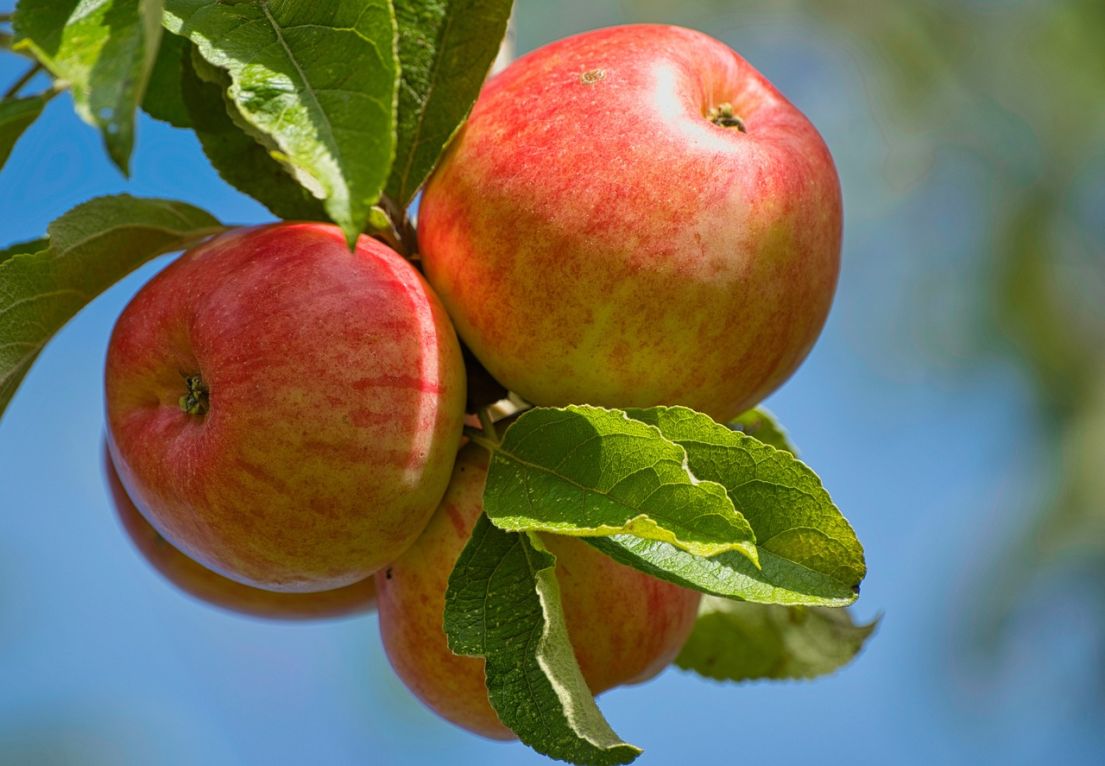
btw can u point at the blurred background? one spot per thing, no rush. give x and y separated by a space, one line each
955 408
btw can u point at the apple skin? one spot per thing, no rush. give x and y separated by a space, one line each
334 408
214 589
625 626
598 239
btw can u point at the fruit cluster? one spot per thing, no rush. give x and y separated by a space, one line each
630 217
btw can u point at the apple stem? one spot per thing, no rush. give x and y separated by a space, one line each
723 116
197 401
476 436
488 425
487 436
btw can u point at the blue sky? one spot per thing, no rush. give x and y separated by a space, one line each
104 663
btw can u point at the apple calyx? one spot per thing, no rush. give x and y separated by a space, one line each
723 116
197 400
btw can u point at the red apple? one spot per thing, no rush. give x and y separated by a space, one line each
284 411
207 586
635 216
624 625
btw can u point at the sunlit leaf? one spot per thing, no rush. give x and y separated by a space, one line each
588 471
239 159
318 81
104 50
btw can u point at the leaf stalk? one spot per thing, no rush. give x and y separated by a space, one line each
407 238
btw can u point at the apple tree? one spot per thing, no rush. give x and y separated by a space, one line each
616 345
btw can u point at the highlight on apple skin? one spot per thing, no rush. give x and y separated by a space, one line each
282 410
635 216
211 588
624 625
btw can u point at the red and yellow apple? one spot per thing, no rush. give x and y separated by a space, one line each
284 411
207 586
624 625
635 216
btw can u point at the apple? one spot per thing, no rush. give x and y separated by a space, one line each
635 216
284 411
624 625
207 586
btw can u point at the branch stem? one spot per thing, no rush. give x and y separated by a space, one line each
23 80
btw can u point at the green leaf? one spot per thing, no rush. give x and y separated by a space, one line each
793 517
446 48
588 471
104 50
317 80
90 248
164 100
778 581
16 116
237 157
762 425
503 604
733 641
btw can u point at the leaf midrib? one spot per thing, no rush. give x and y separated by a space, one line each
309 90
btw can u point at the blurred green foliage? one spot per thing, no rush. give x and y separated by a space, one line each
1022 87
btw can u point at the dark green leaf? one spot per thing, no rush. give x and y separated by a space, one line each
762 425
90 248
237 157
164 100
318 81
30 246
587 471
104 50
15 117
791 513
503 604
446 48
733 641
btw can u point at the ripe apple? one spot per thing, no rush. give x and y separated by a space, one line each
284 411
207 586
635 216
625 626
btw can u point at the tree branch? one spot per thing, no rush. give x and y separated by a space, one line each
26 78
